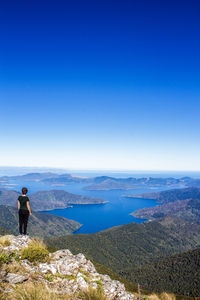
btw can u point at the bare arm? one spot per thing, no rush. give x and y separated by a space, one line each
18 205
29 209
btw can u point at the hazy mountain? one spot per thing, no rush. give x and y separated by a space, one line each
188 209
171 195
105 182
31 176
109 183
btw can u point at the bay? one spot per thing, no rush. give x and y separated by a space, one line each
99 217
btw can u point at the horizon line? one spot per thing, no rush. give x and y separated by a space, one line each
101 170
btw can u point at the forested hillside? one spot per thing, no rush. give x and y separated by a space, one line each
133 246
178 273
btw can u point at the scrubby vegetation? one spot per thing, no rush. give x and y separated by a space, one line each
36 251
41 286
92 294
38 291
4 241
5 257
33 291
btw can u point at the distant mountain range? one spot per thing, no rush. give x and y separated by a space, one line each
48 177
48 200
110 183
127 249
184 203
43 225
105 182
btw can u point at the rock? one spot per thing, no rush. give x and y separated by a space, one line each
2 275
8 290
82 284
15 278
65 273
81 258
17 242
45 268
28 266
61 254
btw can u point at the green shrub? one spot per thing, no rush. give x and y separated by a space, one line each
70 277
15 255
35 252
4 258
86 278
49 277
99 282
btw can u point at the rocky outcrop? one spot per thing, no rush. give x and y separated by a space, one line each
63 272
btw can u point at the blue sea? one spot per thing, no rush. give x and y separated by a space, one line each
100 217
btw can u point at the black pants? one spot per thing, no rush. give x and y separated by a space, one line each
23 220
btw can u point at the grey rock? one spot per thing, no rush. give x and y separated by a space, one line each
61 254
2 275
45 268
15 278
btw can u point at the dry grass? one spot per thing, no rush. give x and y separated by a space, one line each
14 267
4 241
163 296
31 291
36 251
92 294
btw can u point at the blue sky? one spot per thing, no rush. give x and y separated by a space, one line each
100 84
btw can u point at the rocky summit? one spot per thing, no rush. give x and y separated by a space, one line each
61 271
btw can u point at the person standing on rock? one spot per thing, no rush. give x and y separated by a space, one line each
24 211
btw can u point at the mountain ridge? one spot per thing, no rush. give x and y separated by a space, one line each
184 203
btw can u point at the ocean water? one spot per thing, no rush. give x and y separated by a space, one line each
99 217
103 216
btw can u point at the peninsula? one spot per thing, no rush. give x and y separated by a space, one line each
48 200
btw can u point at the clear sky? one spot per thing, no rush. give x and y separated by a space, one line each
100 84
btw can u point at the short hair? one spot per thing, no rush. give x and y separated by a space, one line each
24 190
